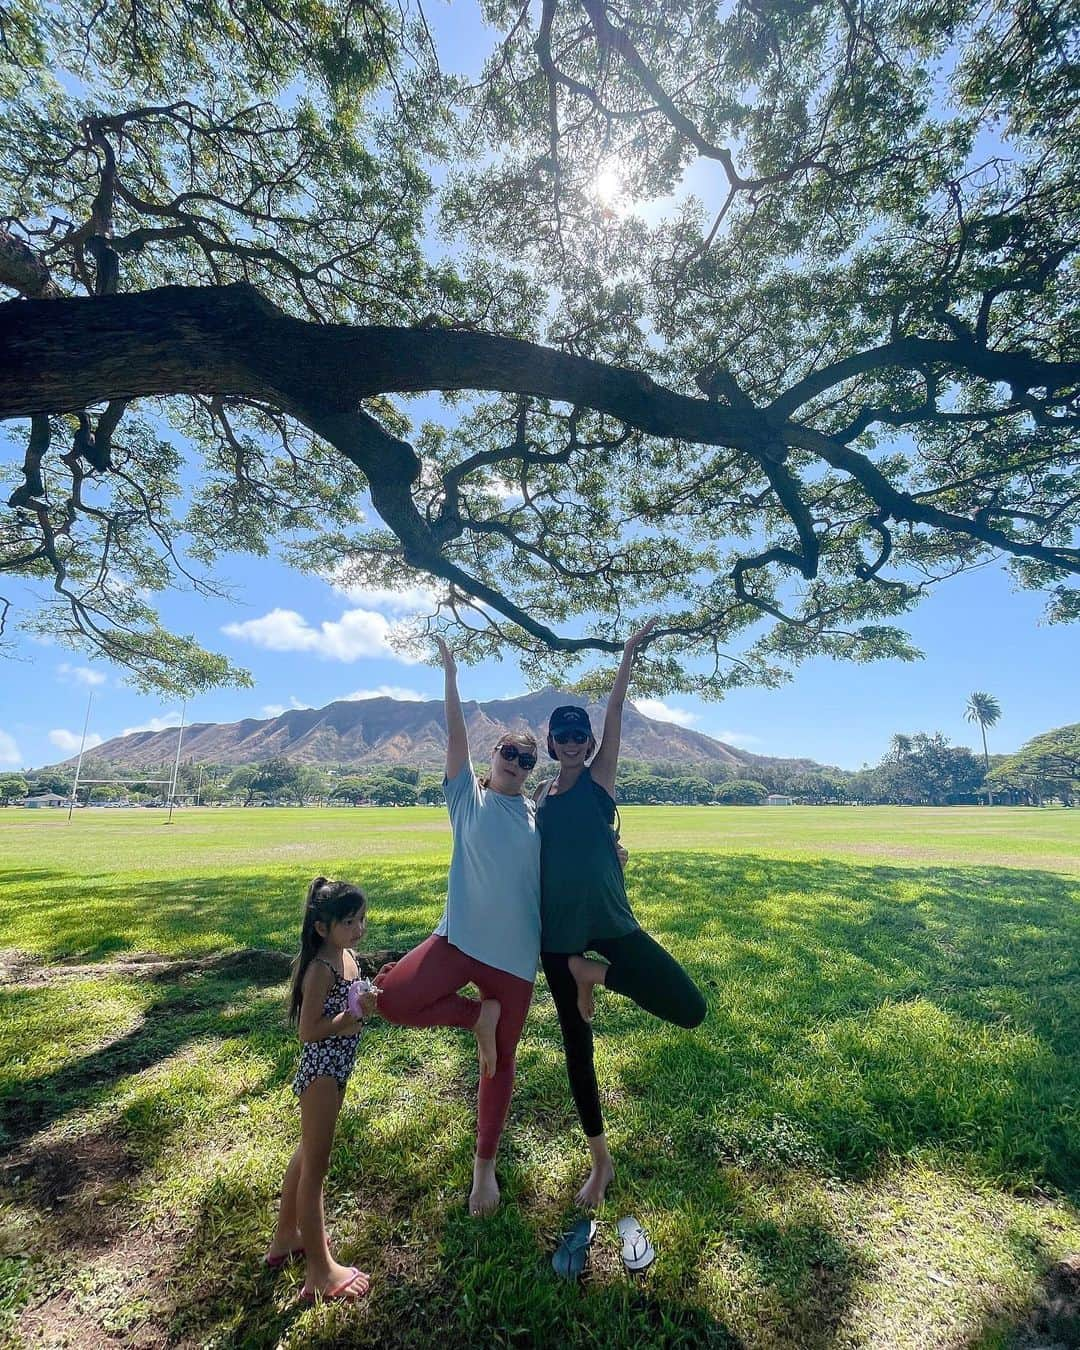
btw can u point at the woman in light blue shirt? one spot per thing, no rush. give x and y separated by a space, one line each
489 934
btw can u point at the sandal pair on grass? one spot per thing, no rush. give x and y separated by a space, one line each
570 1256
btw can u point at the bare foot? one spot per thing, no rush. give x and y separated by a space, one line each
484 1031
484 1196
584 972
591 1195
344 1284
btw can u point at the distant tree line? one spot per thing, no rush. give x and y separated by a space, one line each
919 769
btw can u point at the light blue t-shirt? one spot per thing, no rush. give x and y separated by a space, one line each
493 893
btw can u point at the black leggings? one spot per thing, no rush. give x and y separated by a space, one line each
640 969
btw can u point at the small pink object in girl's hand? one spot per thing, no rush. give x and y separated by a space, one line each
357 990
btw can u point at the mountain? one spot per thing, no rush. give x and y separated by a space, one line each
390 731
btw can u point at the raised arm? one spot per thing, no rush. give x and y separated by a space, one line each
457 738
606 760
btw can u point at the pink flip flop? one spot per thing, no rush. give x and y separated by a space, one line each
339 1295
276 1262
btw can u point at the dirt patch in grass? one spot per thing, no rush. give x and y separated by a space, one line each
15 964
106 1272
72 1182
112 1296
1054 1322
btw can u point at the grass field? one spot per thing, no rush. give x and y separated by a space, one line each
873 1140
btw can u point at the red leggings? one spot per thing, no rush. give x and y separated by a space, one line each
421 991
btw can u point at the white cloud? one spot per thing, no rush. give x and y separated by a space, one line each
163 723
662 712
9 751
737 737
506 491
358 633
69 741
406 600
276 709
282 630
385 691
81 674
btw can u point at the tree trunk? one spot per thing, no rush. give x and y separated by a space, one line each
986 758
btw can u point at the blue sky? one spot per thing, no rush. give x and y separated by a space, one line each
306 643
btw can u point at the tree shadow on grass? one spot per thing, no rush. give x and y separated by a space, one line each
185 1007
1051 1319
445 1277
447 1280
877 1008
33 875
189 914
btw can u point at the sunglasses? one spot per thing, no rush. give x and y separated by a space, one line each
511 752
561 737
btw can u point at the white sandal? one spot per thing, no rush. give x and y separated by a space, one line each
638 1253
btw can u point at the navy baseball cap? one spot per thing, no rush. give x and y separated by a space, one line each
569 718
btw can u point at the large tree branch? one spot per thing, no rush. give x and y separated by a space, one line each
67 354
902 506
383 458
62 355
22 270
1018 369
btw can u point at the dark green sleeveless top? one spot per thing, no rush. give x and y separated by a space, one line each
582 895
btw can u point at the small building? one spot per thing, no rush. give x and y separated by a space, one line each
46 799
779 799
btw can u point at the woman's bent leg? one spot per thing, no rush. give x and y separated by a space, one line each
640 969
421 990
577 1042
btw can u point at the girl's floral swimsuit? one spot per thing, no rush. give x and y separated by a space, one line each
334 1056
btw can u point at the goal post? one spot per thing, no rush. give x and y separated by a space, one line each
90 783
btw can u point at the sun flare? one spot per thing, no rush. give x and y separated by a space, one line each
609 188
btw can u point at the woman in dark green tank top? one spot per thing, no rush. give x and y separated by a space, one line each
583 907
581 879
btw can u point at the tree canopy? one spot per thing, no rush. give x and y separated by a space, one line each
776 409
13 788
926 768
1047 766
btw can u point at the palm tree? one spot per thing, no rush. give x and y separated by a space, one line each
986 710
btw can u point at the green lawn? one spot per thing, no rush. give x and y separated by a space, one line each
873 1140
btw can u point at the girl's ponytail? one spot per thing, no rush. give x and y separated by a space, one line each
326 901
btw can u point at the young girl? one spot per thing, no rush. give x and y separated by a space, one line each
583 907
331 1004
